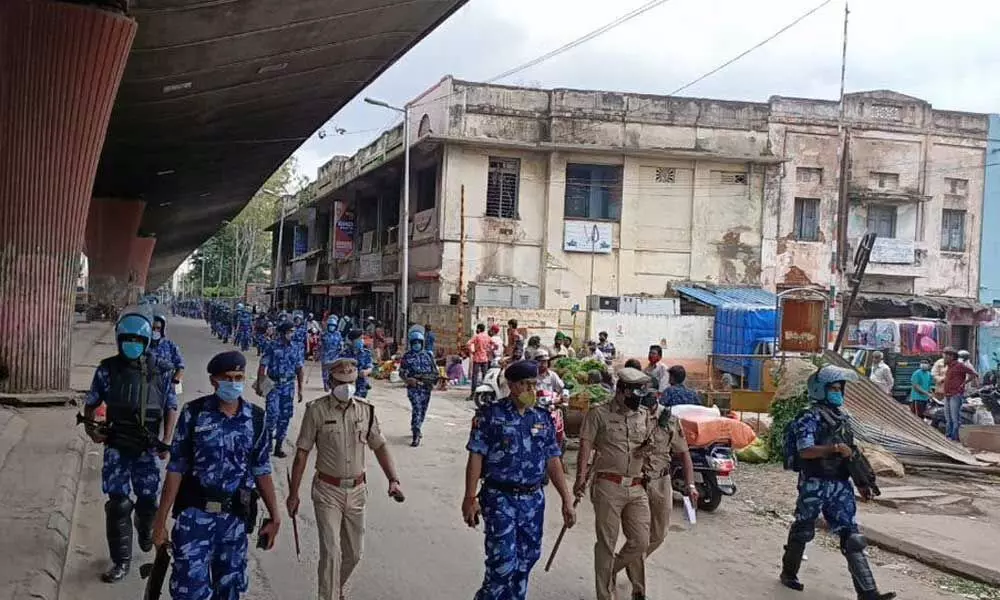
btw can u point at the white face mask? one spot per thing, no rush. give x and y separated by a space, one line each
344 391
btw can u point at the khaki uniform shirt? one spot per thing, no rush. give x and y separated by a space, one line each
664 442
616 434
340 433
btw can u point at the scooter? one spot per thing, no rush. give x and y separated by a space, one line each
490 389
935 413
713 468
990 397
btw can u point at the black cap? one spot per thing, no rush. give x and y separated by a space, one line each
225 362
521 370
285 327
353 334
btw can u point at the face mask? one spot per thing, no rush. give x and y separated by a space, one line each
835 398
229 391
526 399
359 344
417 346
132 350
632 401
156 336
344 391
653 359
331 328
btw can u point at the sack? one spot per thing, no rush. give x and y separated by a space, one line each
755 453
702 430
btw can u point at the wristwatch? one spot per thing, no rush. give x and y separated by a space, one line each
693 487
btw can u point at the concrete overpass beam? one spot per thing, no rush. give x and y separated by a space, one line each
140 254
111 227
61 67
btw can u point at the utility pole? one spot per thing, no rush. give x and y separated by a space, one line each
838 265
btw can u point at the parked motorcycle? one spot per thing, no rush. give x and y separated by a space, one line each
935 413
713 468
990 397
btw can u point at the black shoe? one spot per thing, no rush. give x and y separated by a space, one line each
416 441
876 596
638 596
791 582
116 573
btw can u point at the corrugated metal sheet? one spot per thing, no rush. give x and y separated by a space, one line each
720 296
60 70
880 419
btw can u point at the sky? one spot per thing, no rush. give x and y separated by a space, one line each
945 53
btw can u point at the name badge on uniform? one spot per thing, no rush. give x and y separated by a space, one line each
537 428
208 427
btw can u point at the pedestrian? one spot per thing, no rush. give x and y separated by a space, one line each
956 378
594 352
479 350
656 370
678 393
167 355
615 431
533 347
511 497
633 363
496 346
816 448
881 374
921 386
244 327
515 342
430 340
420 372
339 425
356 349
547 379
665 441
219 467
559 349
283 364
141 401
330 347
606 347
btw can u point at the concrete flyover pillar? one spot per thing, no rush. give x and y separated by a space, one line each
60 66
111 227
140 254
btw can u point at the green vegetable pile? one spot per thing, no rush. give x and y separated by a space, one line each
575 375
783 412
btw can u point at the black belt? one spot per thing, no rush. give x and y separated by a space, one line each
512 488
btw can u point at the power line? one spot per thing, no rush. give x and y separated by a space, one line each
748 51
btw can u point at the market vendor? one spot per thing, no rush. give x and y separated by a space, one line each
547 380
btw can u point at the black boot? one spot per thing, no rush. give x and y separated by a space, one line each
852 546
279 450
145 514
790 564
416 439
118 524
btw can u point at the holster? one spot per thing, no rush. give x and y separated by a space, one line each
243 503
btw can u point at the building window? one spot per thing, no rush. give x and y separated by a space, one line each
593 192
953 231
956 187
885 181
502 188
882 221
730 177
807 219
426 188
809 175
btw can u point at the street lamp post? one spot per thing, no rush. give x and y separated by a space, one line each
404 225
281 241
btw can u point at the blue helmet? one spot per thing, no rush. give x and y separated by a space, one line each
415 336
332 321
817 382
133 333
239 306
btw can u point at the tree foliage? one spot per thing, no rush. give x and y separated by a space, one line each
240 252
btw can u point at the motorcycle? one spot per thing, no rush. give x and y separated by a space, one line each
990 397
490 389
713 468
935 413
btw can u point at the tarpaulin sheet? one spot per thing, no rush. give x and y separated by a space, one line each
880 419
737 329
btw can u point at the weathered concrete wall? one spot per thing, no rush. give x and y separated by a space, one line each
446 319
682 337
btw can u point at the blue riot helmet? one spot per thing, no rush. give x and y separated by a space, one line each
416 339
239 306
819 381
331 323
133 333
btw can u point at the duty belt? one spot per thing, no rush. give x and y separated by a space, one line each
341 482
620 479
512 488
282 380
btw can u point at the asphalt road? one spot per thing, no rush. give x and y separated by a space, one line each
422 549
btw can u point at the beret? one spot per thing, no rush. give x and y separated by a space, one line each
521 370
227 361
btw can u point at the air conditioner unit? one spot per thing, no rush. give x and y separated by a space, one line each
526 297
481 294
608 303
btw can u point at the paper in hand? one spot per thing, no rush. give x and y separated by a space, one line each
692 517
179 388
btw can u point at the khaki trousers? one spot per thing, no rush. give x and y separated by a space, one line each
340 520
617 507
661 503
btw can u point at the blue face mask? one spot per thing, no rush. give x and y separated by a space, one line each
229 391
359 344
835 398
417 345
331 328
132 350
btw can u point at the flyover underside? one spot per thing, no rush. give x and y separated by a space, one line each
117 257
60 66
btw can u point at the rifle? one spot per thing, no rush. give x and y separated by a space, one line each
156 573
128 434
295 521
858 467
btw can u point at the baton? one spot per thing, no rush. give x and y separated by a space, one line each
295 521
555 548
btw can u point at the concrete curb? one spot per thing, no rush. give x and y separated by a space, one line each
45 583
931 557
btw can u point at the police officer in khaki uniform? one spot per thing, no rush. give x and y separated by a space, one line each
340 426
616 431
666 439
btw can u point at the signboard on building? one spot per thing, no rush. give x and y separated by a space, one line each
300 244
893 251
371 265
587 236
802 325
343 231
338 291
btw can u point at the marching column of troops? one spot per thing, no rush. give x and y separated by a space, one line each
218 465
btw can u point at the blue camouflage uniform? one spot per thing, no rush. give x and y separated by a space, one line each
330 346
417 362
123 473
244 326
363 356
299 337
515 449
282 362
210 549
168 358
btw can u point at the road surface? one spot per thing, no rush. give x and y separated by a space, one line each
423 550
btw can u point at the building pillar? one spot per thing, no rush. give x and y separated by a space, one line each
60 66
139 256
111 228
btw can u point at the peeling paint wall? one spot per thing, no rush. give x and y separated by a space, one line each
682 337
